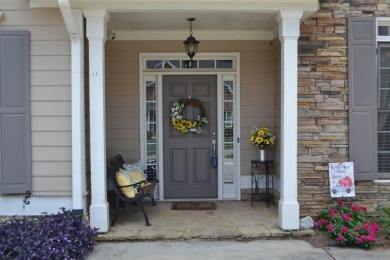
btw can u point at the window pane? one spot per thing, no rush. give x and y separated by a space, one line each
163 64
151 127
228 133
383 121
228 90
384 142
384 99
154 64
384 57
184 63
383 30
207 64
224 64
384 162
171 64
384 77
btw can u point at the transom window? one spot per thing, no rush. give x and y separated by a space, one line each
180 64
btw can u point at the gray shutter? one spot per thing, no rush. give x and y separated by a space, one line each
15 140
362 68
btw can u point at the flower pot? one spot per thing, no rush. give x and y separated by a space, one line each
263 154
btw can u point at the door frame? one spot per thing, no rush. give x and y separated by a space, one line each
225 191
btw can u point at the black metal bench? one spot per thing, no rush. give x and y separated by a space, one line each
113 166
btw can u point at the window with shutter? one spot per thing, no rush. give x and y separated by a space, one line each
15 143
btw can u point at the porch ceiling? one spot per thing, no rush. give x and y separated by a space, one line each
166 19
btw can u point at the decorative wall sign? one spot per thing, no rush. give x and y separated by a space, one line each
341 179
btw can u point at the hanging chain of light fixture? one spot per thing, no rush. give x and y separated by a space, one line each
191 46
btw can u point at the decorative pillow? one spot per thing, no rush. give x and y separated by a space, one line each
124 180
136 175
131 166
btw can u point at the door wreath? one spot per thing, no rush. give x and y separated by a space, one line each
184 125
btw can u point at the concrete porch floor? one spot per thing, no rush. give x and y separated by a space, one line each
231 220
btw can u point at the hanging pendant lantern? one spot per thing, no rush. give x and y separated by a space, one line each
191 46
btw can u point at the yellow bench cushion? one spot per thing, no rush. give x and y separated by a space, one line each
123 179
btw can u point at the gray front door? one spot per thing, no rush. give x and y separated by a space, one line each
188 172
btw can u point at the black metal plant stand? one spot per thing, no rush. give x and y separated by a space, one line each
261 172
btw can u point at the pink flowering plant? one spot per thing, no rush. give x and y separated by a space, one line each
349 224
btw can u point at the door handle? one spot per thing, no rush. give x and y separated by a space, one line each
214 160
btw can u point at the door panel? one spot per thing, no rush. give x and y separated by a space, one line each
187 156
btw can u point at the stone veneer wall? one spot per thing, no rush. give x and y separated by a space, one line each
323 103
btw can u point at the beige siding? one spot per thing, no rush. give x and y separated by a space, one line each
14 5
50 75
51 169
49 185
122 90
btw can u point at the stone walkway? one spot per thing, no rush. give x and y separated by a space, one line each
231 220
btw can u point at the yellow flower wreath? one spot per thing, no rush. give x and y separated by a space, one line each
184 125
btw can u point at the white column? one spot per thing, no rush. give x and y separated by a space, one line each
96 33
288 34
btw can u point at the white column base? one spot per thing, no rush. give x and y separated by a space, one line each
288 215
99 217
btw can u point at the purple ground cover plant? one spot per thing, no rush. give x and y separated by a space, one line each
349 224
55 236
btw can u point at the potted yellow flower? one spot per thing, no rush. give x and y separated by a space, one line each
262 137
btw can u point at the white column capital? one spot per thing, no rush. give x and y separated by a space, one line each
289 22
282 15
96 23
96 13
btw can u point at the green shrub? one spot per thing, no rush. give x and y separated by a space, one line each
384 218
